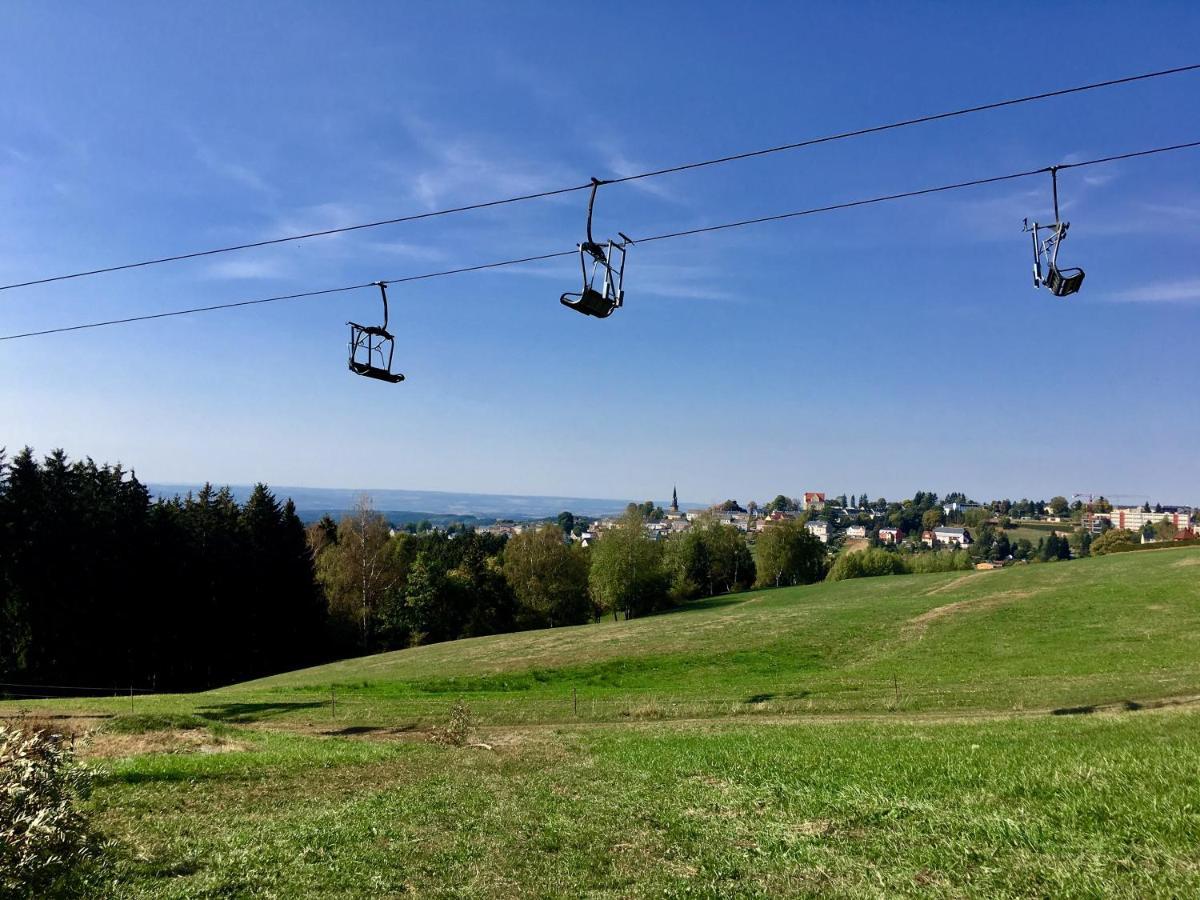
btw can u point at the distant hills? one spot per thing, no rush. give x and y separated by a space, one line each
410 506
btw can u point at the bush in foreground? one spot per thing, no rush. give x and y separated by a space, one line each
45 840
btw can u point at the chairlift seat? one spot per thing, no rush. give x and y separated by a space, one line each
1064 282
591 303
370 371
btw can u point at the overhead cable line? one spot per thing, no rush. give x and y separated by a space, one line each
976 182
849 204
684 167
904 123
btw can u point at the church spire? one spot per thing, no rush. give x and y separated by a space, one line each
674 499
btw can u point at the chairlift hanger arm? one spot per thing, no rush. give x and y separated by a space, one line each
383 294
1054 186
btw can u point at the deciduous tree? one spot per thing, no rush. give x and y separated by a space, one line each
548 577
789 554
626 569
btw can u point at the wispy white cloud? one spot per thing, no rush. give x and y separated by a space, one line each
460 169
681 281
245 269
551 270
406 250
1177 219
318 217
997 216
1176 292
546 86
1101 211
1175 211
231 170
682 290
622 167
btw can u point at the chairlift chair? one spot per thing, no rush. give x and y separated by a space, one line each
373 343
607 268
1061 282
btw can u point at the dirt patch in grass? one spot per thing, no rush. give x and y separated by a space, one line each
68 726
1184 563
916 627
956 583
112 745
815 828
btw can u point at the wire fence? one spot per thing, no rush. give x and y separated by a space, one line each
369 708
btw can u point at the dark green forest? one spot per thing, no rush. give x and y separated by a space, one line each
102 585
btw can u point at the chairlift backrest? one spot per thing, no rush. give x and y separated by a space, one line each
1064 282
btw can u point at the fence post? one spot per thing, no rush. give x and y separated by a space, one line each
575 700
130 699
896 685
332 702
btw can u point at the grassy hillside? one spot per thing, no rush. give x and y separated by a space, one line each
1098 631
880 737
1092 631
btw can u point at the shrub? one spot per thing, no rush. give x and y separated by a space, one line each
867 564
1123 547
45 840
458 730
1114 540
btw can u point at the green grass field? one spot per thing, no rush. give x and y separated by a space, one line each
878 737
1033 535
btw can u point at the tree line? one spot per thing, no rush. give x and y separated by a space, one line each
387 590
102 585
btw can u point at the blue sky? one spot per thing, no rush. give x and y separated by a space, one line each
884 350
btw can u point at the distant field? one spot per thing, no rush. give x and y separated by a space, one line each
1033 535
1032 731
1043 527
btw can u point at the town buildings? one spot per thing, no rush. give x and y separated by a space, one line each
1136 518
819 529
947 536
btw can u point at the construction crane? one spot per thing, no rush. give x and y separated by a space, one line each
1092 497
